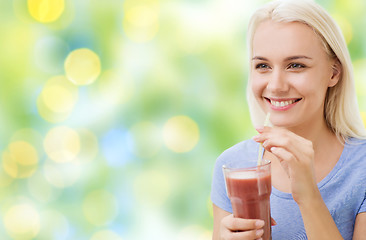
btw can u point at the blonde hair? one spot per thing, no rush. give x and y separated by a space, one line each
340 109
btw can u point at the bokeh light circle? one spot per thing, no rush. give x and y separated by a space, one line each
105 235
114 147
46 11
62 144
22 221
363 115
20 160
345 26
181 134
82 66
23 153
141 22
57 99
100 207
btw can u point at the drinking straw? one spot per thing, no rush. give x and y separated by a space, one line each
260 155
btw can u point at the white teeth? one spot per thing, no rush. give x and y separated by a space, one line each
282 103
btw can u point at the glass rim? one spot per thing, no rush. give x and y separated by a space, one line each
265 162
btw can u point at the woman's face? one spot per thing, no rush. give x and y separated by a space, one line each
290 73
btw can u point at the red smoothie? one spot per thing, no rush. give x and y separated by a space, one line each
249 192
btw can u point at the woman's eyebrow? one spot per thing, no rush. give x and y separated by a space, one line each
297 57
259 58
286 59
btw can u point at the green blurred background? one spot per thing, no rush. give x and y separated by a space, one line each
113 112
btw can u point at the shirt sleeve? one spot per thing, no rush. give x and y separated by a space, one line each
218 189
363 206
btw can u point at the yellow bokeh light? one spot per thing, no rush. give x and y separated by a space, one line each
105 235
23 153
22 221
141 22
142 16
20 160
153 187
100 207
62 144
146 138
50 115
46 11
82 66
181 134
345 26
57 99
363 115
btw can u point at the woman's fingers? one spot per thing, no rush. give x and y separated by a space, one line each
300 148
240 224
253 234
240 229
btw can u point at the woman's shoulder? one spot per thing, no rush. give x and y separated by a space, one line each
355 152
356 146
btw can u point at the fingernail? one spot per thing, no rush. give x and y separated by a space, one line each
259 129
259 223
255 138
259 232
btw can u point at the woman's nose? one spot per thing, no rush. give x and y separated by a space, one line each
277 82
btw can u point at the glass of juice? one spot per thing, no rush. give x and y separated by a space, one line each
249 188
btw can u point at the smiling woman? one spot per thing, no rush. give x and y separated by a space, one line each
291 68
301 74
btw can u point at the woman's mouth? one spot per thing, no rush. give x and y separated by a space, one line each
282 103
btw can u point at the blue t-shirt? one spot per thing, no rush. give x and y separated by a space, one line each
343 190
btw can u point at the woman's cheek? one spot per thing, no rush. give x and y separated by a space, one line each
257 86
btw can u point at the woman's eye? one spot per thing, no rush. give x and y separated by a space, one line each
296 65
261 66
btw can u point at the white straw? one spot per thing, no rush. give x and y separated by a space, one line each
260 155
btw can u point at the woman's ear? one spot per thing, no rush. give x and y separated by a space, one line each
336 73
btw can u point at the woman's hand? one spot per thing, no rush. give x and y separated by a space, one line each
296 155
240 229
228 227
